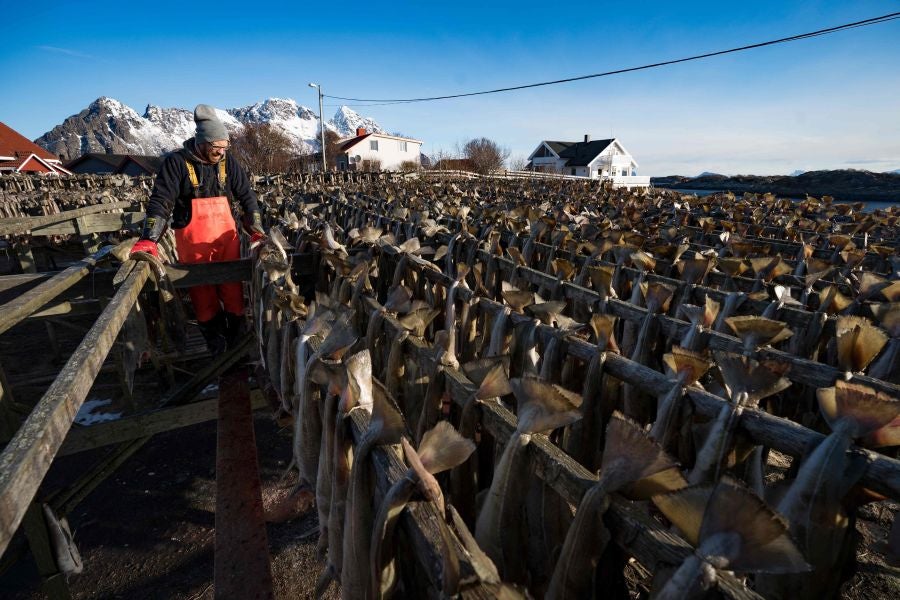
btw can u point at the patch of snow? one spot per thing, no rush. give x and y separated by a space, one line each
211 388
87 416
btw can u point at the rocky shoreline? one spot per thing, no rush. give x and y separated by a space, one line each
847 185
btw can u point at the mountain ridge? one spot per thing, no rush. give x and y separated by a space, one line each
842 184
109 126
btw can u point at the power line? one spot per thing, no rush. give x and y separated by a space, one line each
793 38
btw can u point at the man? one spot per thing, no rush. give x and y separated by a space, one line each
194 189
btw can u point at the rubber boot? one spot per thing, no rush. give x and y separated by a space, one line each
235 327
214 332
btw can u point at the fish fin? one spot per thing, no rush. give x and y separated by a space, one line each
443 448
711 311
886 436
766 545
495 383
741 374
684 508
399 300
340 339
858 342
692 313
426 483
386 417
358 391
518 299
659 294
544 406
667 480
477 370
631 453
863 408
693 363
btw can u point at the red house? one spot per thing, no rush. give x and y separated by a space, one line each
18 154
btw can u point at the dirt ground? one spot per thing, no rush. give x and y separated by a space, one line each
148 531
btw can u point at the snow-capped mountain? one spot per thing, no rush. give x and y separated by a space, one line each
109 126
346 121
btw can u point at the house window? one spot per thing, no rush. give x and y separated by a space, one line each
402 146
573 170
373 145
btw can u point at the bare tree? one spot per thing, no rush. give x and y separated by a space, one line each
518 163
262 148
332 145
486 155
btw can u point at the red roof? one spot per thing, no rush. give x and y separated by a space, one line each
13 143
352 142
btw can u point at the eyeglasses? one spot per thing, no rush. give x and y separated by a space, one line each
222 148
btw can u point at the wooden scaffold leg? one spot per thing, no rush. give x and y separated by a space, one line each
242 564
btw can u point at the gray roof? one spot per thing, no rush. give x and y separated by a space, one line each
579 154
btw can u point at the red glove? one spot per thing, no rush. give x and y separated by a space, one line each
256 237
148 246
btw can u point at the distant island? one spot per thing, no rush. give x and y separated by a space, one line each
846 185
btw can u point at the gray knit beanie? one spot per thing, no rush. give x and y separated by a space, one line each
209 127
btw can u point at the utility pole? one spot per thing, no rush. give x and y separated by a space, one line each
321 125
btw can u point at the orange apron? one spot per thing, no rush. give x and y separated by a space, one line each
211 236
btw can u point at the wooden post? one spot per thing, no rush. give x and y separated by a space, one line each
26 257
55 584
242 566
54 342
89 241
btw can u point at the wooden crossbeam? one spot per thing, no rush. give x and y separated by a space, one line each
156 421
14 225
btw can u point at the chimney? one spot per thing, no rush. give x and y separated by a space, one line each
360 131
587 138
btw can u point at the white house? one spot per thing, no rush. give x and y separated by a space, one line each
597 159
376 151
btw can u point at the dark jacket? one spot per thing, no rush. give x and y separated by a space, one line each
173 192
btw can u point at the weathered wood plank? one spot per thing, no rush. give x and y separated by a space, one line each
28 456
102 223
242 567
151 423
14 225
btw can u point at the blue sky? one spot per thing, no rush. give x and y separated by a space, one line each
828 102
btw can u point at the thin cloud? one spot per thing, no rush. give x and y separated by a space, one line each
67 52
869 161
